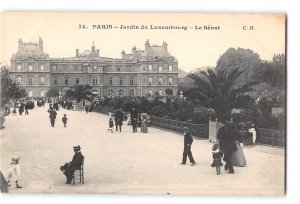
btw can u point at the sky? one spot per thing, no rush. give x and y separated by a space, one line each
194 48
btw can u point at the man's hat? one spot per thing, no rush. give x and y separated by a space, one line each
76 148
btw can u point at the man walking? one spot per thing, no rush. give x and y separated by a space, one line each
119 116
52 116
133 118
188 140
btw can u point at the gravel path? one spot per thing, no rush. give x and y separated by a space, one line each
126 162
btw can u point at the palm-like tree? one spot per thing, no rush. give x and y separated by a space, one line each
218 88
80 92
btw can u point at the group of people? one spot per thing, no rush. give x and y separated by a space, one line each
117 119
227 148
52 116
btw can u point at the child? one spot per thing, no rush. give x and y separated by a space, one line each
65 119
217 156
14 111
15 171
111 124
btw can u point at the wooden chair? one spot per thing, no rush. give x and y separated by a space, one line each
79 173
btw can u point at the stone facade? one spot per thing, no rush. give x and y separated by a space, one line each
139 73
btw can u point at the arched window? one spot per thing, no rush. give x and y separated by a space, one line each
150 92
131 92
30 93
160 92
121 92
110 92
169 92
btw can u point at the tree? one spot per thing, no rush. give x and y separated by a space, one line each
10 90
219 90
80 92
53 92
274 72
244 59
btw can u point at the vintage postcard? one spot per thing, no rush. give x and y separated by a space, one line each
143 103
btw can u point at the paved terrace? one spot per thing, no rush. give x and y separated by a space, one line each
127 163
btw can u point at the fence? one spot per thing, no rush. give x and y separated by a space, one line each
103 110
271 137
198 130
264 136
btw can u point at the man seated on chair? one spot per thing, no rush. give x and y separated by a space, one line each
69 168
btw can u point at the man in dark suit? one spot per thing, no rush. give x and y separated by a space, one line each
188 140
119 116
69 168
133 118
52 116
226 137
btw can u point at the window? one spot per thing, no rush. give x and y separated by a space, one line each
170 81
129 68
89 69
110 81
30 67
42 80
150 67
54 67
30 80
110 92
131 80
170 68
42 93
95 80
150 80
76 68
150 92
160 68
118 68
66 81
30 93
121 92
160 92
77 80
121 81
19 79
19 67
42 68
131 92
160 81
55 81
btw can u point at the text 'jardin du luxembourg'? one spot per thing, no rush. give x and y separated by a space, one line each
149 27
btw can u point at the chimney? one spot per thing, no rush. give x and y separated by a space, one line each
123 54
147 45
41 43
20 44
98 51
77 52
165 45
134 51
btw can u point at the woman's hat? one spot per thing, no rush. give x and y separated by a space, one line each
15 159
76 148
185 129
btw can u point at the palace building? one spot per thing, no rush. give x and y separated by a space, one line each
139 73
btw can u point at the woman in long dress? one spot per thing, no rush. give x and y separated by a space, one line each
144 126
238 157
